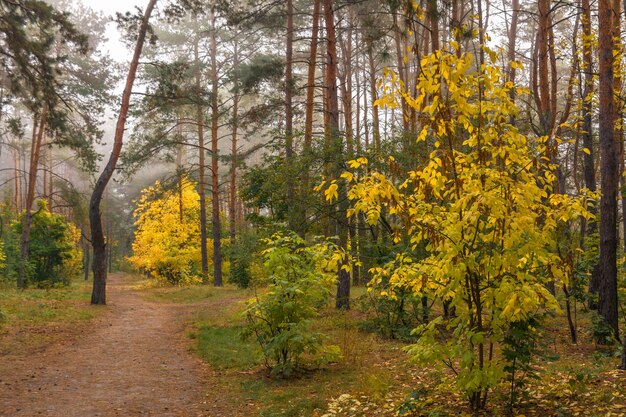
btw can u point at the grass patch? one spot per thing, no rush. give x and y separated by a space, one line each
223 348
33 318
38 306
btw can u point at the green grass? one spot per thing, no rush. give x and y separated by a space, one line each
223 348
32 318
38 306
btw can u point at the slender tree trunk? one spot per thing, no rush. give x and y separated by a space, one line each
347 101
232 208
18 181
293 206
545 116
50 165
308 115
397 35
200 122
587 134
607 277
215 190
374 97
45 168
511 47
86 259
357 85
366 124
334 136
22 278
619 108
98 295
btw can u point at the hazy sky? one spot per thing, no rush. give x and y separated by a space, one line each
116 49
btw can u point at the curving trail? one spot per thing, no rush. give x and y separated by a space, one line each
132 362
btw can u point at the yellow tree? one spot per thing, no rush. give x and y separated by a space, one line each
2 258
484 209
167 238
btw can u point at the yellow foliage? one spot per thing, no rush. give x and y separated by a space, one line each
167 242
482 207
2 257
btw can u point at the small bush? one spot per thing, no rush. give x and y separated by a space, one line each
242 256
281 319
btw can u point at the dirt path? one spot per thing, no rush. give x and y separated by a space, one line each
132 362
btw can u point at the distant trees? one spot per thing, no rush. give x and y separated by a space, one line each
44 56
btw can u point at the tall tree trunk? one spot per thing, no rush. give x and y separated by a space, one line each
98 295
607 277
357 85
587 134
293 206
18 182
35 149
232 208
366 124
308 115
545 116
50 167
200 122
374 97
397 35
215 184
511 47
334 136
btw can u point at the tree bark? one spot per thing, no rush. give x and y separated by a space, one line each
232 208
86 259
308 115
98 295
200 122
607 276
374 97
22 277
215 184
545 116
18 182
292 208
334 137
587 134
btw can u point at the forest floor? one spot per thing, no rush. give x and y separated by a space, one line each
177 351
130 360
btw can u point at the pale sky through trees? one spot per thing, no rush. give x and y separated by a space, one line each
116 49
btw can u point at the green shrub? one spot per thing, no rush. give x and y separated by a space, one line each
54 253
242 256
280 320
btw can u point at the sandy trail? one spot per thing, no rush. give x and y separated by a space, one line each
132 362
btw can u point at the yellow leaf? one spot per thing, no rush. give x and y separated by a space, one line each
331 192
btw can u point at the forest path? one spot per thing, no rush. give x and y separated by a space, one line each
134 361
